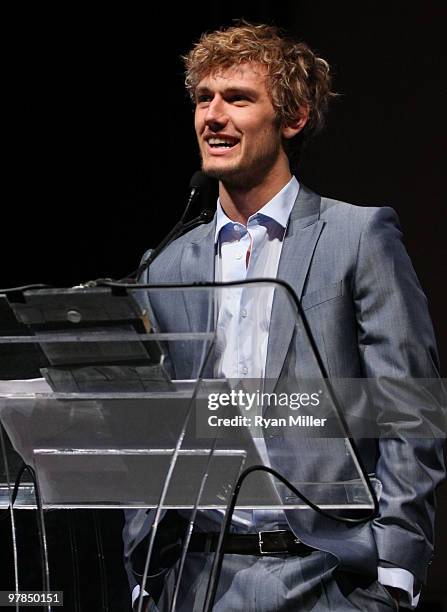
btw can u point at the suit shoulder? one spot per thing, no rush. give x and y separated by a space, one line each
345 213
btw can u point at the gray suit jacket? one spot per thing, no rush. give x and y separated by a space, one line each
369 318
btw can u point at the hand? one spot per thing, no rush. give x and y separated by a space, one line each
144 607
395 594
148 604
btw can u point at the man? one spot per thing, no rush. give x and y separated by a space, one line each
257 96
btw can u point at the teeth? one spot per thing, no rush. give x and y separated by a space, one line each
218 142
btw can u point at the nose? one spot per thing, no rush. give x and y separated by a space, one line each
216 116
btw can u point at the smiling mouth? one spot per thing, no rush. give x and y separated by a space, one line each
221 145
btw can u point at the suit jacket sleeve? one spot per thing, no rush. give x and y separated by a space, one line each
396 341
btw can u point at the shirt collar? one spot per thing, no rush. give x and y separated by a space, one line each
278 208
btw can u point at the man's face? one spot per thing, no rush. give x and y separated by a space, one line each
236 126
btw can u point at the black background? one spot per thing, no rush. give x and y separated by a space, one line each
101 145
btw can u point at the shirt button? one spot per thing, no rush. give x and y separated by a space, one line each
239 256
245 370
243 313
236 228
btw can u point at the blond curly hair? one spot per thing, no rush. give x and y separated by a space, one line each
296 77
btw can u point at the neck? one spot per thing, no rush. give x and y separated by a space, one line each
240 202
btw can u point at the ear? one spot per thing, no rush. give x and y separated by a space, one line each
292 129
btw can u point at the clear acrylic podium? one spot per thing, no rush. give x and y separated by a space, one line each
133 410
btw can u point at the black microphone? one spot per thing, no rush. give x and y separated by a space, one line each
199 185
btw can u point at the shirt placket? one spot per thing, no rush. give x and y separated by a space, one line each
243 358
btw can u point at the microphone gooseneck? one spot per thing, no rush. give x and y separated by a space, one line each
200 184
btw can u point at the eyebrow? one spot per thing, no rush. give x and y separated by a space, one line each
236 89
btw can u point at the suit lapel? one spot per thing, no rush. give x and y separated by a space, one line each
197 261
197 266
301 238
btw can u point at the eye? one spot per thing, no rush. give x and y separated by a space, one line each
236 98
203 99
